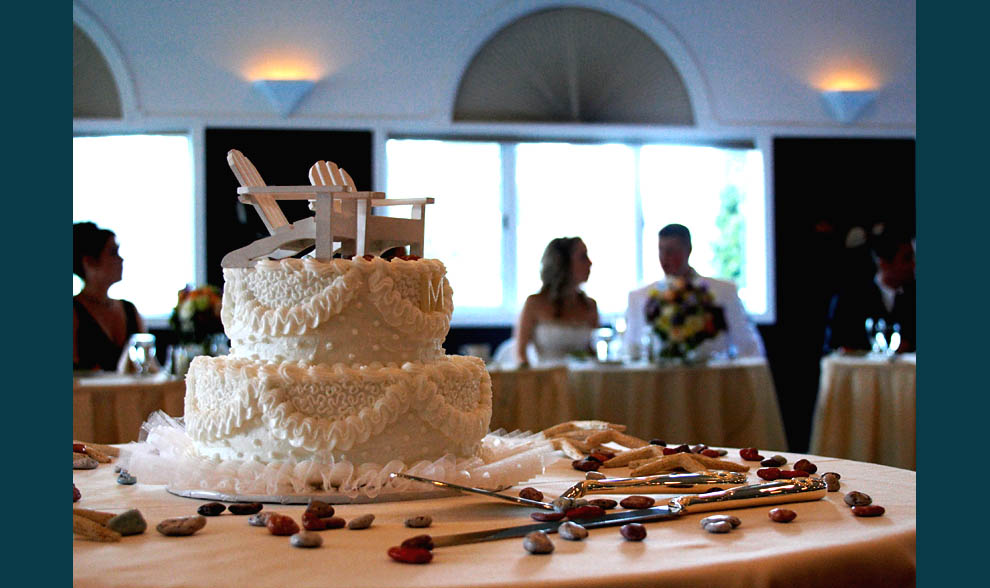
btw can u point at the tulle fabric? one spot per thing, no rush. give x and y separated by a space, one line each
165 455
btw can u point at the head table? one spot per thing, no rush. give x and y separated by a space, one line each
824 546
727 402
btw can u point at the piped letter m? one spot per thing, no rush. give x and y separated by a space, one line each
432 295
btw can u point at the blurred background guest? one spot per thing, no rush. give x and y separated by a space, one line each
890 295
559 320
101 325
674 246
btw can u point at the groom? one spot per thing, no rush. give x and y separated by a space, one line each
675 248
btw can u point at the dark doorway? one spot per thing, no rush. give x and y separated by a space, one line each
826 191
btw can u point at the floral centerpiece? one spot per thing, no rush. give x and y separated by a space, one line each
196 316
683 316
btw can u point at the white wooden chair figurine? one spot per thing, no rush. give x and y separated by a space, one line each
342 215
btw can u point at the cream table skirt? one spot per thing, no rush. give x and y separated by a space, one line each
110 408
730 403
866 409
824 546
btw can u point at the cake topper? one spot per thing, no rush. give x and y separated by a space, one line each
342 215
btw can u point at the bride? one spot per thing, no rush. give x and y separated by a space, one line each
560 318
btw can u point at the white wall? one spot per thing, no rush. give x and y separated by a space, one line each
750 65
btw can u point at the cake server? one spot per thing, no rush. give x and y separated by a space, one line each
776 492
676 482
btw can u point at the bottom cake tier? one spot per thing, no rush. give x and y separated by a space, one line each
247 410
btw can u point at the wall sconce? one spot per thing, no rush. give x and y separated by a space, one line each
284 94
846 105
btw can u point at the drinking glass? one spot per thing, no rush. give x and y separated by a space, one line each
880 340
141 351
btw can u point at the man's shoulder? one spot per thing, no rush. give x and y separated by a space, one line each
719 285
643 291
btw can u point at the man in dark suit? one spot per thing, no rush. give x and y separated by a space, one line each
890 296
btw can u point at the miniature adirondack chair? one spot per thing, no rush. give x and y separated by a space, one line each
358 230
286 238
342 215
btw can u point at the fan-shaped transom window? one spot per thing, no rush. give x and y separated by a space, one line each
572 65
94 90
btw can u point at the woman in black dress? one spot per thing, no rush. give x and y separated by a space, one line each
101 325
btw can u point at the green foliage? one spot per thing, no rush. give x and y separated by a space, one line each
728 250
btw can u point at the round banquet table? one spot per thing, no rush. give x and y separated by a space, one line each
866 409
824 546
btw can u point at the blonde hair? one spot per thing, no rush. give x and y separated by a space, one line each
555 271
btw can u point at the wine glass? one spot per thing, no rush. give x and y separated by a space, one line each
894 339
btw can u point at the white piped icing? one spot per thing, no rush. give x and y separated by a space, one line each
370 388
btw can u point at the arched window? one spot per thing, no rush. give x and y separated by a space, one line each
573 65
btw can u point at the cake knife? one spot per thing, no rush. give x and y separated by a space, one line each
674 482
776 492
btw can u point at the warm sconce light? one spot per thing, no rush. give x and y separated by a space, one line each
284 94
846 105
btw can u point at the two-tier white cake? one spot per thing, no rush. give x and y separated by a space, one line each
337 361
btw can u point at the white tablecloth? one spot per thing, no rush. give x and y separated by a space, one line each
866 409
731 403
824 546
110 408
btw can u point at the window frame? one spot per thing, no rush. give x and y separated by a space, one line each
506 314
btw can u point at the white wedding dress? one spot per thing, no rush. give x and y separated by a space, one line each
555 341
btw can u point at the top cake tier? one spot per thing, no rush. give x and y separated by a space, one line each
342 311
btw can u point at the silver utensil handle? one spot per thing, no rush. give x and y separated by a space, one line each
776 492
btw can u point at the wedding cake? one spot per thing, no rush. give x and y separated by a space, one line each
337 362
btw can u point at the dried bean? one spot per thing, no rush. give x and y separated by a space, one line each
718 527
603 503
584 512
871 510
593 475
750 454
633 531
335 522
538 542
711 453
731 519
211 509
546 515
78 448
805 466
280 524
76 494
419 521
531 494
831 482
320 509
245 508
411 555
698 448
419 542
634 502
782 515
572 531
586 464
794 474
856 498
768 473
362 522
774 461
837 475
306 539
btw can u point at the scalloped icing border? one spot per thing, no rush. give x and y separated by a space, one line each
397 311
260 388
